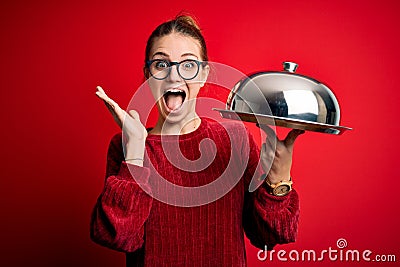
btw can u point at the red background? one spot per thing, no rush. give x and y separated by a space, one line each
55 131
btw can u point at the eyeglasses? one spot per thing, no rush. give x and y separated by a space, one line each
187 69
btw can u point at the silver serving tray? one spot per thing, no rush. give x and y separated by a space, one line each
283 122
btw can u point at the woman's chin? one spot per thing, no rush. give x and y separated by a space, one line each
178 115
175 116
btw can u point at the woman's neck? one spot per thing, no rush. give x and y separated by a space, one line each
183 127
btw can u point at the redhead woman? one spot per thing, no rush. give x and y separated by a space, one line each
151 232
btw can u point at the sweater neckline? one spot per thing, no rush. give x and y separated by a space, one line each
201 129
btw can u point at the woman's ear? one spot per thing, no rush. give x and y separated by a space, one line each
205 70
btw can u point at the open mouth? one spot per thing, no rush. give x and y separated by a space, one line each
174 99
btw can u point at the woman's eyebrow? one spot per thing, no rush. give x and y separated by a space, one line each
160 54
189 54
163 54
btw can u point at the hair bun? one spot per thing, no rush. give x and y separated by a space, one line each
189 20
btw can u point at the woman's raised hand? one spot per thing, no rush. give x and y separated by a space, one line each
278 154
134 131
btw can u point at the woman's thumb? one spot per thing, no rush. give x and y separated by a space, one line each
291 137
134 114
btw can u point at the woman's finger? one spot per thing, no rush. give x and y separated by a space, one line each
291 137
115 110
100 93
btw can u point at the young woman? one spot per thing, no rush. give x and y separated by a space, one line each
155 233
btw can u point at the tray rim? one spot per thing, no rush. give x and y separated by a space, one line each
306 123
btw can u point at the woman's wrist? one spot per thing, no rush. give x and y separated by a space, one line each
135 161
134 153
274 179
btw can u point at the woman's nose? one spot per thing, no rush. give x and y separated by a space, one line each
173 74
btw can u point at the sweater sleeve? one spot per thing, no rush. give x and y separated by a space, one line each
123 207
268 220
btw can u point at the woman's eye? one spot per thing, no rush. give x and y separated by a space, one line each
189 65
161 65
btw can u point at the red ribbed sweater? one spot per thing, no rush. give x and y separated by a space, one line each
152 233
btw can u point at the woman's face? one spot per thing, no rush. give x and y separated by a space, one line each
175 96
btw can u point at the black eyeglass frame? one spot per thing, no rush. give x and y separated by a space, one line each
173 63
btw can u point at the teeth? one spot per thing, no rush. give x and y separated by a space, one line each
174 91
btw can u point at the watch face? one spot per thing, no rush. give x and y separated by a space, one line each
281 190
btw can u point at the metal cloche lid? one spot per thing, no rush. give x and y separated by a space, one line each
285 98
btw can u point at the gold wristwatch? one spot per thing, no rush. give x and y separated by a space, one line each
280 189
